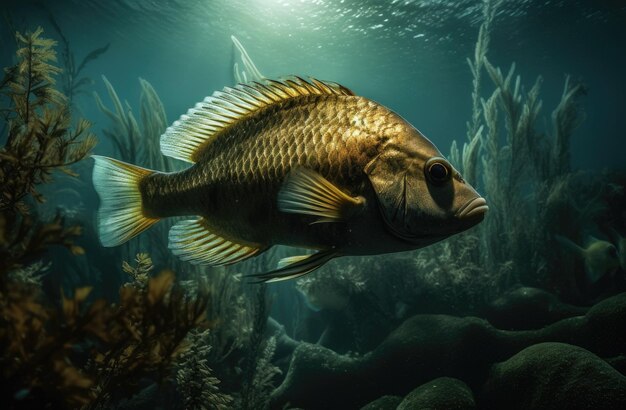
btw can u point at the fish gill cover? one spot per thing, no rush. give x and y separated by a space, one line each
452 325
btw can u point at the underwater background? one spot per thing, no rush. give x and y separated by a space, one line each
526 310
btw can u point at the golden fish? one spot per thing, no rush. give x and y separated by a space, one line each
292 162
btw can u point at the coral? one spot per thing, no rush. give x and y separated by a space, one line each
194 378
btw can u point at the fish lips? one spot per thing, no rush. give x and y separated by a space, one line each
471 213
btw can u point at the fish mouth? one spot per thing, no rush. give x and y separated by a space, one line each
473 210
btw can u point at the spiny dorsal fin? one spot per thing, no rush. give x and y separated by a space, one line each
187 137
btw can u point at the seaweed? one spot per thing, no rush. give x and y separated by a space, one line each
72 84
258 372
138 143
519 168
39 141
249 72
519 164
40 138
144 336
43 345
195 380
69 351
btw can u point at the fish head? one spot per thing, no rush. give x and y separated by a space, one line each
421 196
601 258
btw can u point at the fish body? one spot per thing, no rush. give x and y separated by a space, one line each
600 257
295 162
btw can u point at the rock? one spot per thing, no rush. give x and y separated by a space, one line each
554 376
383 403
443 393
285 345
529 308
426 347
605 325
321 378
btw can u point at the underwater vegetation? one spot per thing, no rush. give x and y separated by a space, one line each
524 311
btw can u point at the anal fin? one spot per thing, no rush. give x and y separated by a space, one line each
307 192
296 266
192 241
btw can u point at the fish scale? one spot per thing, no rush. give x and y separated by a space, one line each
256 154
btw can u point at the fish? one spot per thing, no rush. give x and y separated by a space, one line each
620 243
600 257
298 162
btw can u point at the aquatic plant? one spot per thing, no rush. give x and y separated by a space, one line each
37 120
139 143
194 378
466 160
248 398
39 141
249 71
140 337
256 392
72 84
520 165
144 336
141 271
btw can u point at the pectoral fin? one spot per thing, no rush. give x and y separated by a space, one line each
307 192
296 266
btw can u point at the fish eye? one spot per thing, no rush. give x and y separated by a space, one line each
438 171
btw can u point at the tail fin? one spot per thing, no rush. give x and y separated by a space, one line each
569 245
121 215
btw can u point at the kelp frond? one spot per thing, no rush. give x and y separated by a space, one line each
566 117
